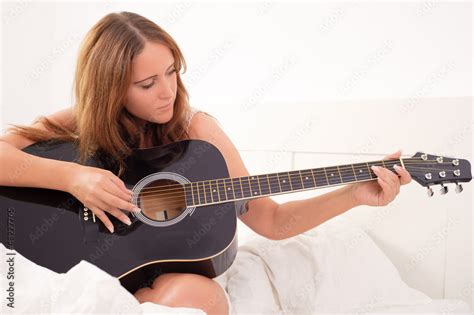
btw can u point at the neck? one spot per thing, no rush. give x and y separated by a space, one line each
250 187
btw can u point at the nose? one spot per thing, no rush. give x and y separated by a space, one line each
166 92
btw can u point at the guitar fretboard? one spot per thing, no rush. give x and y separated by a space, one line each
249 187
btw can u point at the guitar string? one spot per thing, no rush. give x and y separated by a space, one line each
178 196
346 176
171 187
342 167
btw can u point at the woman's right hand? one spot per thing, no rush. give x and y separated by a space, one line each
101 191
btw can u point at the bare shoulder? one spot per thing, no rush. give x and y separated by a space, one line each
199 122
64 118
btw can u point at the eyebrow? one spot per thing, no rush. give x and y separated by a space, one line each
153 75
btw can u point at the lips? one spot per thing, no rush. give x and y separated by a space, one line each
163 107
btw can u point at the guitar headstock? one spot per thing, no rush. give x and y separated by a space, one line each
429 170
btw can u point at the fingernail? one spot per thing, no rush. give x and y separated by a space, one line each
136 209
375 168
127 221
396 167
111 229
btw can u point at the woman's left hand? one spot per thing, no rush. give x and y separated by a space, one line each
385 189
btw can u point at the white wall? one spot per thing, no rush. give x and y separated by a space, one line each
328 82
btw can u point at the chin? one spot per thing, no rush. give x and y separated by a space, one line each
164 117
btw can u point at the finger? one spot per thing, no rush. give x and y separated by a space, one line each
387 187
392 179
116 202
113 189
388 176
405 177
120 184
387 192
119 215
103 217
394 155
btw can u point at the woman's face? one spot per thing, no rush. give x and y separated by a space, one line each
152 90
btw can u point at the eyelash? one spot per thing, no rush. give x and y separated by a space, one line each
146 87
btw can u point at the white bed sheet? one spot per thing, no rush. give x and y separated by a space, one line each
335 268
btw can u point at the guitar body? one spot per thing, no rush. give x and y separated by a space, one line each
56 231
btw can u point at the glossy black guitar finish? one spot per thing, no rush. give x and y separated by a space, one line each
53 229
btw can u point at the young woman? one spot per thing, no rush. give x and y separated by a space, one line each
129 94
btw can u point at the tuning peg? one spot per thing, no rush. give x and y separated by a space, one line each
430 192
443 190
458 188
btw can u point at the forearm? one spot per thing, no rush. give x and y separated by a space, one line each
21 169
295 217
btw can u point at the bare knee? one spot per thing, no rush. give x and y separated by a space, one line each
186 290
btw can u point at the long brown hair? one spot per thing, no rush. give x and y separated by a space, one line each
103 73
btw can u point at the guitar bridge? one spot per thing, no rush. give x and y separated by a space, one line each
91 229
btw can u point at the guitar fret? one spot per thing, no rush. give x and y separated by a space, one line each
238 193
361 172
215 191
233 188
301 177
370 171
228 189
246 187
221 190
225 190
254 186
347 173
376 163
210 191
241 188
353 171
205 191
285 182
263 184
295 183
321 177
199 193
188 192
326 173
259 187
339 171
269 186
278 178
332 177
314 179
307 181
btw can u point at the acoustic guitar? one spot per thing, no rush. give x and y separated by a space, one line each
188 221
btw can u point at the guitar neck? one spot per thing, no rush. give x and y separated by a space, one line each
221 190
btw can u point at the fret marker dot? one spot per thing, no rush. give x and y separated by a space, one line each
332 174
284 181
255 193
214 190
228 188
360 171
306 177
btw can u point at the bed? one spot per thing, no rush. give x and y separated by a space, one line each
334 268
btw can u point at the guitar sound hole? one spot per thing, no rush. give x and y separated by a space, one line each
162 200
